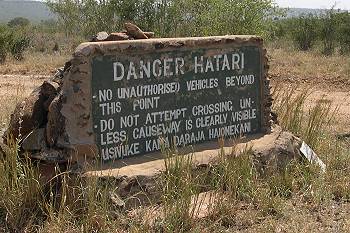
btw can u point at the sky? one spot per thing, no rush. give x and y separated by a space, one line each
343 4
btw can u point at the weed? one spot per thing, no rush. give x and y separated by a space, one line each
290 110
178 188
290 107
235 175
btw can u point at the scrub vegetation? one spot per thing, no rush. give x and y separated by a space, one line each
232 195
328 32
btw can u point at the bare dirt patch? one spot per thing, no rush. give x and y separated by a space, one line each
325 77
341 107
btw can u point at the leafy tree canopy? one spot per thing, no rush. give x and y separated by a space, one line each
18 22
168 18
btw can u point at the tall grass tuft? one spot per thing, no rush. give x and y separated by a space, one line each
314 126
318 122
20 191
235 174
178 184
31 203
290 105
289 108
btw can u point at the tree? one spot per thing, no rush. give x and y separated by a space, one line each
18 22
303 32
328 31
4 41
89 17
343 32
167 17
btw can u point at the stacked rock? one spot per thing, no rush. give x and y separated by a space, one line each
131 32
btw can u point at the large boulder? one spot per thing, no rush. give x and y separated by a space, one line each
271 153
31 113
55 122
275 151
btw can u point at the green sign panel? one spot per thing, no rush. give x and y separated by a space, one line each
143 101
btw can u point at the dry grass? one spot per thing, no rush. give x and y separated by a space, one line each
14 89
309 68
34 63
40 59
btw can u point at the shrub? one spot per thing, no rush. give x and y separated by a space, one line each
18 22
343 32
280 29
331 29
5 39
3 48
304 31
328 32
18 46
12 42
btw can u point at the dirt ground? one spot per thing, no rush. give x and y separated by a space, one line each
341 107
309 69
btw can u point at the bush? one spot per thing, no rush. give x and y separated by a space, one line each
304 32
328 32
3 48
18 46
12 42
18 22
5 40
343 32
331 29
280 29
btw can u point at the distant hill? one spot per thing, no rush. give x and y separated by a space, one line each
295 12
35 11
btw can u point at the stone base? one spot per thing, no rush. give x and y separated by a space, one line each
275 149
136 177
